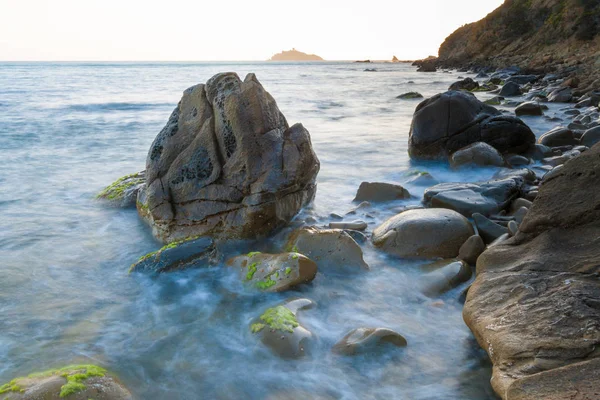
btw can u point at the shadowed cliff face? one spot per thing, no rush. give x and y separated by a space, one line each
533 34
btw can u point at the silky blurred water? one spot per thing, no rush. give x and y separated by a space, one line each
67 130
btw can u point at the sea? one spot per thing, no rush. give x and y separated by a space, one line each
67 130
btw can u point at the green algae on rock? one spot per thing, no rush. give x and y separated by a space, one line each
80 381
274 272
178 255
279 329
123 192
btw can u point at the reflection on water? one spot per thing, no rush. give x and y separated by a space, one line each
68 130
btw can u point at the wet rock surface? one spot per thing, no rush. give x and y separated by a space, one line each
368 340
380 191
227 164
534 303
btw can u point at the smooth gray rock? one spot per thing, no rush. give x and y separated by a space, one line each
591 137
380 192
449 275
362 340
488 230
559 136
354 225
471 249
479 153
529 108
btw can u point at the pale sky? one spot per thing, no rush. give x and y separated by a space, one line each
201 30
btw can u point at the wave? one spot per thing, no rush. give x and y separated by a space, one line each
111 107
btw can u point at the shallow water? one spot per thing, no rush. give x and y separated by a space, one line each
68 130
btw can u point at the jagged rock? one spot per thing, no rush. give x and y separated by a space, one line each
278 328
465 84
452 120
274 272
329 248
447 275
479 153
361 340
423 233
529 108
187 253
227 164
77 382
378 192
124 191
534 305
485 198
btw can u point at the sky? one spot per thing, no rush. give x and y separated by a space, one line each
201 30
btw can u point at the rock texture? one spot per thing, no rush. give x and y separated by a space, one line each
227 164
541 35
274 272
452 120
535 305
424 233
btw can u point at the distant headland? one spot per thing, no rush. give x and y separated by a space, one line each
295 55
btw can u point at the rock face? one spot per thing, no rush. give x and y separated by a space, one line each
274 272
191 252
361 340
424 233
75 382
535 304
227 164
452 120
278 328
329 248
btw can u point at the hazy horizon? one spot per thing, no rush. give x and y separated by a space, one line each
191 31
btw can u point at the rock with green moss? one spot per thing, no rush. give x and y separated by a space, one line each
274 272
74 382
191 252
410 96
278 328
124 191
332 249
363 340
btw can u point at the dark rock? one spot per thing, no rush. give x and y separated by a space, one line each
187 253
465 84
488 230
510 89
378 192
479 153
227 165
471 249
558 137
529 108
522 79
450 121
410 96
591 137
560 95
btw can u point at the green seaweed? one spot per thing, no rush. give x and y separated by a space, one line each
116 189
267 283
251 271
288 271
255 328
74 374
253 253
158 252
278 318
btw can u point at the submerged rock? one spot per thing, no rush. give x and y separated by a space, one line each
447 275
329 248
510 89
534 306
192 252
424 233
481 197
274 272
410 96
379 192
124 191
72 382
278 328
452 120
362 340
227 164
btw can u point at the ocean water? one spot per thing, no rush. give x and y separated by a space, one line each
69 129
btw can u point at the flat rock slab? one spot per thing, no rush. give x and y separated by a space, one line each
193 252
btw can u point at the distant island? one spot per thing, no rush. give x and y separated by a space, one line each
295 55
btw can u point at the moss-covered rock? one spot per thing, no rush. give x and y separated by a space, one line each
410 96
191 252
278 328
274 272
75 382
123 192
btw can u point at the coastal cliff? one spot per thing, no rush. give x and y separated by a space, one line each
536 35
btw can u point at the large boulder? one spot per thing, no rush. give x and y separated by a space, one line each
227 164
77 382
452 120
485 198
535 304
423 233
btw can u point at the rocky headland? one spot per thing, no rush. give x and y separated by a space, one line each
295 55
